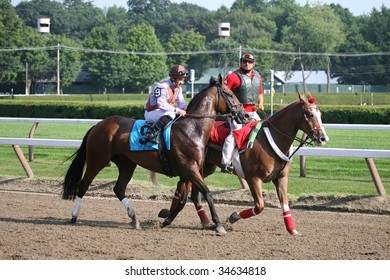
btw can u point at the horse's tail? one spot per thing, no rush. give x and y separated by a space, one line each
153 178
75 171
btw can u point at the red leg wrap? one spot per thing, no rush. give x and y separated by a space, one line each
288 221
249 213
202 215
175 201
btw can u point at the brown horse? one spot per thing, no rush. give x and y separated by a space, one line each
267 161
109 141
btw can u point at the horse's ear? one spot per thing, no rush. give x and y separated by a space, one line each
310 98
213 81
220 79
301 98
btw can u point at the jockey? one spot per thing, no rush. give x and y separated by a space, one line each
160 109
246 83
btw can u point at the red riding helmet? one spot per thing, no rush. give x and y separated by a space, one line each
178 71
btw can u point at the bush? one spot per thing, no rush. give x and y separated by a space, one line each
88 110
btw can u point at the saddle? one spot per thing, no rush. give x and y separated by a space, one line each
139 143
244 137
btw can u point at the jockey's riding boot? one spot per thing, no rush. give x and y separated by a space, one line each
152 133
227 168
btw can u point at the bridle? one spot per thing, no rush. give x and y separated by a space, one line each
233 107
308 115
309 138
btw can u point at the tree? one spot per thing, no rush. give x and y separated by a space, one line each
11 28
189 41
32 10
105 69
117 17
314 29
227 55
145 68
354 43
376 31
247 25
37 61
70 63
81 18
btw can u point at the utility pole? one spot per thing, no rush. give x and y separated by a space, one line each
272 93
27 87
58 70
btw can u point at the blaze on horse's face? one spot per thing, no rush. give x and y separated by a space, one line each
312 115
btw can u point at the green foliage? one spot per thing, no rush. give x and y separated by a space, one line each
70 63
81 18
116 16
263 25
314 29
189 41
30 11
38 61
105 69
144 69
131 105
10 37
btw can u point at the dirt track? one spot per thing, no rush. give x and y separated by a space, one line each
34 225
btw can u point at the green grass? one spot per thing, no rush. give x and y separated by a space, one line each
325 175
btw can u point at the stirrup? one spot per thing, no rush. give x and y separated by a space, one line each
152 137
227 168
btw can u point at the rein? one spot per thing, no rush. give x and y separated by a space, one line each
207 116
201 116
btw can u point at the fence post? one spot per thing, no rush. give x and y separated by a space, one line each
375 177
302 161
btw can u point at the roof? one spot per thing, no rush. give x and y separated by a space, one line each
315 77
205 79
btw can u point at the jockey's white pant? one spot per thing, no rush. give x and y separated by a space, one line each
230 141
155 115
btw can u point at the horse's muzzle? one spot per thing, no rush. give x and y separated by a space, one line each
320 138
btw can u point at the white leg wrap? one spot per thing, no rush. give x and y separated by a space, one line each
285 208
126 204
76 208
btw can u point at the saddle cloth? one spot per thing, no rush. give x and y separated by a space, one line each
244 137
138 141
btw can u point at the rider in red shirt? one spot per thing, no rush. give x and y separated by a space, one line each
246 83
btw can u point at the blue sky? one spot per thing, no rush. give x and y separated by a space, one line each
357 7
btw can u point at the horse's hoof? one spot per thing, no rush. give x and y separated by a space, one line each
221 230
234 217
164 213
164 224
135 225
206 225
73 220
295 233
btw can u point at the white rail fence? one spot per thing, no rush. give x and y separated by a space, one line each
367 154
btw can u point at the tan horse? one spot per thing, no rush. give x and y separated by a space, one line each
109 141
267 161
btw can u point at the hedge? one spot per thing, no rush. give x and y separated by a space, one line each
330 114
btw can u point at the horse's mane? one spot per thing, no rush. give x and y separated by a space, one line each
285 108
196 98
